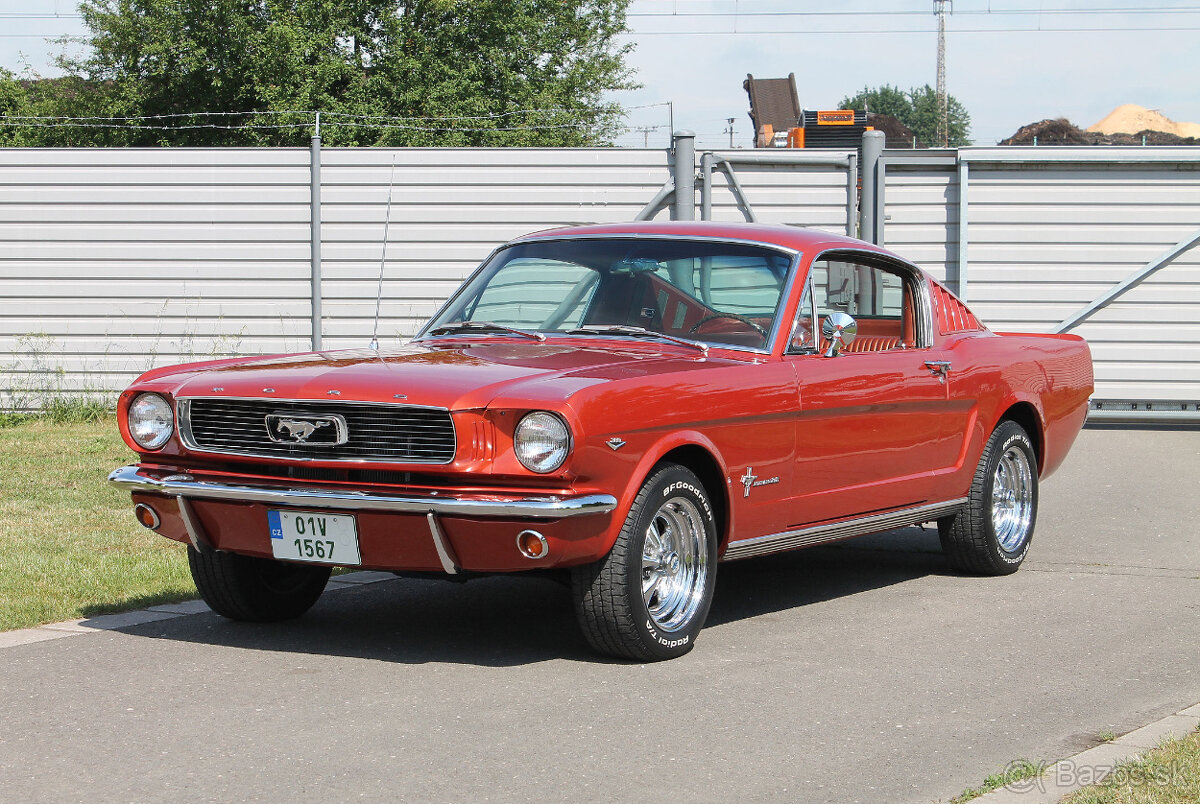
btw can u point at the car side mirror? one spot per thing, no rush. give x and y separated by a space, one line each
840 330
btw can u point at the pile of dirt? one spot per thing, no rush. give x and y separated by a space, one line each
1134 119
896 134
1063 132
1049 132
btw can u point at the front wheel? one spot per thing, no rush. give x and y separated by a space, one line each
648 598
255 589
991 535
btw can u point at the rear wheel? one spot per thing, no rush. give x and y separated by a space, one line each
991 535
648 598
255 589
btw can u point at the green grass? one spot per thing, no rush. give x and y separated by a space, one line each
69 545
1015 771
1169 774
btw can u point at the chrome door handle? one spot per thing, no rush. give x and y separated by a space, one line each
939 368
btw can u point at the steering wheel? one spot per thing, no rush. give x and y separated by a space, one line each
734 316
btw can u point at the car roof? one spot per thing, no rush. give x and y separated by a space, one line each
793 237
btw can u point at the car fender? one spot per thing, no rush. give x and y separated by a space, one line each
1017 396
651 458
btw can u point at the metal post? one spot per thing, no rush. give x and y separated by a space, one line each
851 195
706 177
964 180
871 212
683 208
314 230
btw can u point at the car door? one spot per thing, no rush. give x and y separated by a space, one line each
871 426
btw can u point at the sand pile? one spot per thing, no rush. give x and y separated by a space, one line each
1062 132
1133 119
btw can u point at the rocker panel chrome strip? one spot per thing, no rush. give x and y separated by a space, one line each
805 537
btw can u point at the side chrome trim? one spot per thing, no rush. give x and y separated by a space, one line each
806 537
133 478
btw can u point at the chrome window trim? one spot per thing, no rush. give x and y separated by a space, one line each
806 293
772 336
184 428
923 324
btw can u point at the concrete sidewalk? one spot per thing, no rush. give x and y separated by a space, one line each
860 672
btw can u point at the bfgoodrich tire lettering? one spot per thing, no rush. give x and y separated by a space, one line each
991 535
255 589
648 598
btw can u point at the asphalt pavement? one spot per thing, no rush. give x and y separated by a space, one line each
864 671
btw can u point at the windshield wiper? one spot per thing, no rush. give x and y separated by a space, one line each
487 326
637 332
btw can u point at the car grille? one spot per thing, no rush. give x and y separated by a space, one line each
397 433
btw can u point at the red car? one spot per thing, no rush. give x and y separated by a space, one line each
630 404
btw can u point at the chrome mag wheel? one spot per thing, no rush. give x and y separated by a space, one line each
991 533
1012 498
674 564
647 600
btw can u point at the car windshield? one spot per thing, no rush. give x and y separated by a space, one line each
707 291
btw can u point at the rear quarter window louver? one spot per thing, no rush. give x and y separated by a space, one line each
952 315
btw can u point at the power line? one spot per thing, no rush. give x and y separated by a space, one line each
22 15
921 31
972 12
146 123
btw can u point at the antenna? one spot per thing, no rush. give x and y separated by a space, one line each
387 220
943 119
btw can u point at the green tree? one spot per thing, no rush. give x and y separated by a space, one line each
526 72
887 99
918 109
925 117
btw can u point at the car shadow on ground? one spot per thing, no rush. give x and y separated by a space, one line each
798 578
505 621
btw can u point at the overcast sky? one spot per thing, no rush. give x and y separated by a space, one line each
1010 62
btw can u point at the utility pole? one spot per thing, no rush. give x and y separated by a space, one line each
729 130
645 132
940 8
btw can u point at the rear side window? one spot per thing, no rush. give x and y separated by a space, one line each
862 291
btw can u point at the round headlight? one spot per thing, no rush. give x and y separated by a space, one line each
542 442
151 421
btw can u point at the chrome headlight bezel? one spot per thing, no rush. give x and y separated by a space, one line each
542 441
151 421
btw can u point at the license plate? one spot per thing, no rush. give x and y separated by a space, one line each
314 536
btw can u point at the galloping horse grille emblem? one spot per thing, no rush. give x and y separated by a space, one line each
299 428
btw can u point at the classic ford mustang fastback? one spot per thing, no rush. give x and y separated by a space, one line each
629 404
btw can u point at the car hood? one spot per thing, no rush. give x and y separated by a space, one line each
456 376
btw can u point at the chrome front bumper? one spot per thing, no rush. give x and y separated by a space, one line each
134 478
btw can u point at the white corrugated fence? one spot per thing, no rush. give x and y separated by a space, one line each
116 260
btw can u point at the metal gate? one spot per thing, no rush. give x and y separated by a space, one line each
1099 241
